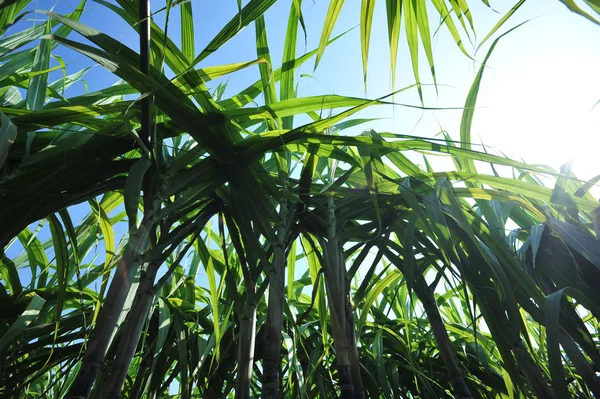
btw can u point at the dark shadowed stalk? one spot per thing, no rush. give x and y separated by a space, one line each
148 291
134 324
335 282
132 330
274 323
246 345
247 316
109 315
247 312
354 358
359 390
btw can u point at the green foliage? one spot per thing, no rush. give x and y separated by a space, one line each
420 283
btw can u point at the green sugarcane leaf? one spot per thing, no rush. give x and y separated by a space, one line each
366 20
214 303
61 252
27 317
107 231
394 21
262 51
8 134
408 266
572 5
577 240
412 38
287 86
335 6
36 91
501 22
471 102
187 31
249 13
10 275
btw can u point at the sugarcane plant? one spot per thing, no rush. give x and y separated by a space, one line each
273 258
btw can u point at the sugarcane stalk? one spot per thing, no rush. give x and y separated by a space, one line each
142 305
108 316
274 323
130 336
335 283
246 345
353 351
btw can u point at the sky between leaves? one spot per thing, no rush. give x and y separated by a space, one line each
536 100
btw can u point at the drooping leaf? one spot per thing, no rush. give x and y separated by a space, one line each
366 19
8 133
24 320
471 102
335 6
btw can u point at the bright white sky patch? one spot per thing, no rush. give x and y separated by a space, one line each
539 106
536 97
